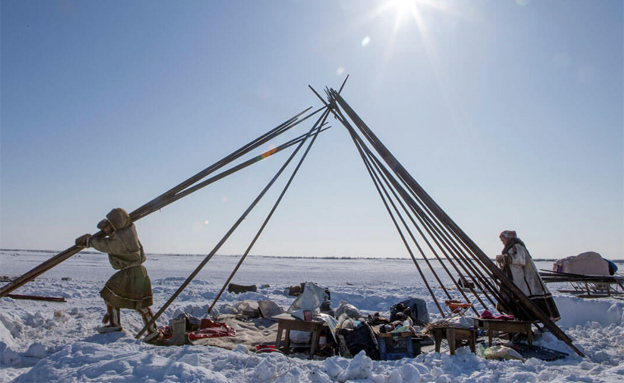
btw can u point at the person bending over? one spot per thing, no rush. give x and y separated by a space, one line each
130 287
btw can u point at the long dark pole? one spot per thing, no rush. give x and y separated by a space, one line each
461 259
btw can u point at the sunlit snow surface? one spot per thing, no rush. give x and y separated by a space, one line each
47 342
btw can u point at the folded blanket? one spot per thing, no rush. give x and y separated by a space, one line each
211 329
488 315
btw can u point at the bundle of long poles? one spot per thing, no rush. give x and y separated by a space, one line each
554 276
314 131
181 190
404 220
438 237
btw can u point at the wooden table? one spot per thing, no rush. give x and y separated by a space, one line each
494 326
314 327
454 336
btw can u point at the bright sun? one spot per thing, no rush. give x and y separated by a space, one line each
403 7
409 13
406 8
406 11
417 13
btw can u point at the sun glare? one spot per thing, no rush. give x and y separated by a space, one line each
403 8
403 11
406 11
414 12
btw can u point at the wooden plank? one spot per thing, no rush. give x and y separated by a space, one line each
36 298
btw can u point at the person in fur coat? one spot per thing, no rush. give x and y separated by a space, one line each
130 287
517 263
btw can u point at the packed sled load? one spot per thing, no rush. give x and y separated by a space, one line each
588 263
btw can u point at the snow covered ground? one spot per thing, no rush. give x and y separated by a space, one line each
49 342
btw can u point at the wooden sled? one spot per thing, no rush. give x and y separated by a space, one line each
586 286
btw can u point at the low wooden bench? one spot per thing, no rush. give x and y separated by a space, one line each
495 326
314 327
455 337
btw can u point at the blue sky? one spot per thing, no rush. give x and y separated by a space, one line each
509 113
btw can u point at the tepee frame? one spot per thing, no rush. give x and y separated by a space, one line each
423 226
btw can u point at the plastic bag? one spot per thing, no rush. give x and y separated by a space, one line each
311 298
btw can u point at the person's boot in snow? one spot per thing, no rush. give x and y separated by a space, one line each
111 320
153 336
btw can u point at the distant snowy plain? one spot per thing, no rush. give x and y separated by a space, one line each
57 342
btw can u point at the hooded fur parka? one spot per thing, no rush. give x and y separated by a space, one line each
130 287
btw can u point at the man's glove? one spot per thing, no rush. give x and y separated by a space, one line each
502 259
83 240
102 224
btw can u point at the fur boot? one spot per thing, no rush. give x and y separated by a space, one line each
153 334
111 320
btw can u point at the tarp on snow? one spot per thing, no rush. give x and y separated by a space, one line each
589 263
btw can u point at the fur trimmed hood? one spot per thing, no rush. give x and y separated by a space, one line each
119 218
